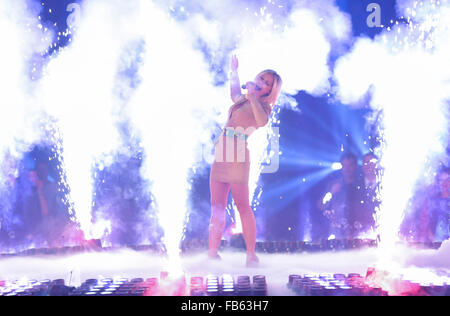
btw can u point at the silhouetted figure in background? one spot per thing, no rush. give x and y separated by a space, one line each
43 213
341 204
433 220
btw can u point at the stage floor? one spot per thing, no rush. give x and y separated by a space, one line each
416 265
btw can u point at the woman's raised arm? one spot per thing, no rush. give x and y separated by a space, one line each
235 85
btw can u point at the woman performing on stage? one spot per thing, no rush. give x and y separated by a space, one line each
231 166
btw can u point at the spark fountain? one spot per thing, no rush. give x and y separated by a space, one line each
414 95
24 40
86 70
159 68
413 103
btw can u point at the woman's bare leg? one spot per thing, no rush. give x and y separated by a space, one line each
219 197
240 195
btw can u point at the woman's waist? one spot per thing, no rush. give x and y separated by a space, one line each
228 131
239 132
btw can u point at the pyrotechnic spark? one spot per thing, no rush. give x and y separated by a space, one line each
167 111
23 42
168 100
413 101
78 91
298 50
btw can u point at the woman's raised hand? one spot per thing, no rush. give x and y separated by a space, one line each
234 63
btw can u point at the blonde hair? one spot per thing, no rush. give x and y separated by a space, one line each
271 99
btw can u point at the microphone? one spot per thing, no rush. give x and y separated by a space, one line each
244 86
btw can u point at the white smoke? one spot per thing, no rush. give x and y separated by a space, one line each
431 267
295 39
79 90
406 69
296 42
176 105
23 39
172 111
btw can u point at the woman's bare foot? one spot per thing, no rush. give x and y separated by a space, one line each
252 260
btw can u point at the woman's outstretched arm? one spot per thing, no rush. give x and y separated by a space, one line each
235 85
